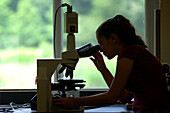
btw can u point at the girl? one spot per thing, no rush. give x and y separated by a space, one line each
138 71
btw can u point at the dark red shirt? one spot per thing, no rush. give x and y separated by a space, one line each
147 80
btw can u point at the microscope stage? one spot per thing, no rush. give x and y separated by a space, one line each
71 80
68 84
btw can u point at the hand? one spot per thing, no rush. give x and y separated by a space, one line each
66 103
98 61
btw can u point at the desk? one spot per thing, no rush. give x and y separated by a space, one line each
109 109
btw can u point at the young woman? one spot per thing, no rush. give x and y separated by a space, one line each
138 71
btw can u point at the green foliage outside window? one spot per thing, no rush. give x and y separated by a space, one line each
26 33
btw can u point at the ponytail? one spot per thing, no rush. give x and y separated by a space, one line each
122 27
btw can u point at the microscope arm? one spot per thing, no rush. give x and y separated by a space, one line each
84 51
45 69
71 56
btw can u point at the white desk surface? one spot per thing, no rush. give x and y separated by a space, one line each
108 109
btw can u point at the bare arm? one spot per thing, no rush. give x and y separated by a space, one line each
99 63
126 96
124 68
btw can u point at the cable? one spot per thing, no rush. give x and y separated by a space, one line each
62 5
12 107
16 106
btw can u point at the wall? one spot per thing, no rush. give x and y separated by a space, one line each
165 31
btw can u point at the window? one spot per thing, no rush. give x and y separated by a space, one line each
91 14
25 35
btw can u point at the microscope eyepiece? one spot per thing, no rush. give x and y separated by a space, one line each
88 50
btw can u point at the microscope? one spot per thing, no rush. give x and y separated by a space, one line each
46 68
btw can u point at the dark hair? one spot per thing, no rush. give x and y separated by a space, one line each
122 27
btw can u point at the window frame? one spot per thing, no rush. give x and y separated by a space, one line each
59 34
150 33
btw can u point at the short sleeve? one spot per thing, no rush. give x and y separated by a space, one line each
131 51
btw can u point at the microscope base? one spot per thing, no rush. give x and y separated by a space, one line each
54 108
71 93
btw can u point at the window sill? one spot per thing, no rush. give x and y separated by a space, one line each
21 96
